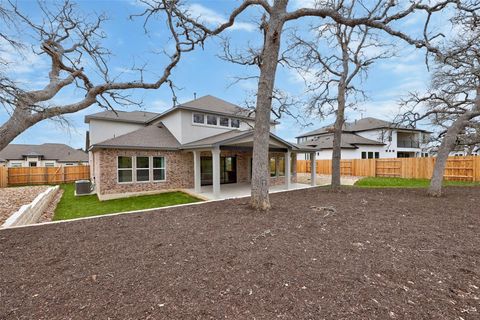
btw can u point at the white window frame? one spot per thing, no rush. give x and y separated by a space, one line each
49 164
199 123
149 169
125 169
206 124
164 169
16 165
228 121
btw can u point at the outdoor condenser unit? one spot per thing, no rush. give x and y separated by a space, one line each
82 187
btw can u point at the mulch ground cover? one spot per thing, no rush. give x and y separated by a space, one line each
357 254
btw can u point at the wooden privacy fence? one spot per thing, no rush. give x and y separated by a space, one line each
42 175
3 177
457 168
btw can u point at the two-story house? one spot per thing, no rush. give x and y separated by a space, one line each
368 138
207 141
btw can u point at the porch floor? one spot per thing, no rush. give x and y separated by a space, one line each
238 190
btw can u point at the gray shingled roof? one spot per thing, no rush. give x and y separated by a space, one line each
360 125
211 104
228 137
233 134
49 151
142 117
151 137
349 141
159 137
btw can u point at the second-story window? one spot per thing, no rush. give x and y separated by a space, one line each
224 121
198 118
235 123
212 120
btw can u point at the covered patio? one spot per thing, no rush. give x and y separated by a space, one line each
223 165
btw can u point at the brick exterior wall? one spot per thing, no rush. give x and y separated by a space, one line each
179 170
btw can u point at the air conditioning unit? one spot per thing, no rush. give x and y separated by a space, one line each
83 187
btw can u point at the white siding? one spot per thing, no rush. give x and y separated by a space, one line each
101 130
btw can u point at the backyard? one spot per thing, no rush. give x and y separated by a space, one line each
71 207
357 254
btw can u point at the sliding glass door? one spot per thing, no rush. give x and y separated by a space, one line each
228 170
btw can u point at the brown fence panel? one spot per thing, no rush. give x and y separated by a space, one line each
388 168
457 168
346 167
3 177
460 169
46 175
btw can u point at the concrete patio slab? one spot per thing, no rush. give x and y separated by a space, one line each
238 190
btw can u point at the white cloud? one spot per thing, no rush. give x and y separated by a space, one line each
21 61
209 16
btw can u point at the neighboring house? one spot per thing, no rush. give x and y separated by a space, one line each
368 138
43 155
207 141
462 151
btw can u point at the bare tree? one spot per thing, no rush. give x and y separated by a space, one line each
275 17
453 101
72 43
336 56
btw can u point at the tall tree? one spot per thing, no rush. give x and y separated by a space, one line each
453 100
276 15
72 41
330 63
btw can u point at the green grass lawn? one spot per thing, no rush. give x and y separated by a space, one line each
381 182
71 207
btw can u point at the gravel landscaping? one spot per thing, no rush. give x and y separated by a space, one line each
11 199
356 254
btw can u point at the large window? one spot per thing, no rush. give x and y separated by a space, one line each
212 120
273 167
281 166
143 169
198 118
158 168
125 169
224 121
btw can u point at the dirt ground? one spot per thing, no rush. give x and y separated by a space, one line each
11 199
357 254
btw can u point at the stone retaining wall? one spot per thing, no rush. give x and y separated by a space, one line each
31 213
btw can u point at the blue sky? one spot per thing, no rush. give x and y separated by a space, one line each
204 73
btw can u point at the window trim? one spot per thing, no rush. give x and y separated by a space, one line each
206 124
149 169
125 169
164 169
199 123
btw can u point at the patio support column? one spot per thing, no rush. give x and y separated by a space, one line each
216 171
288 165
197 171
313 161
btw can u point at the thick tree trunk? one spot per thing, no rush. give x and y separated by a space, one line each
16 124
260 166
337 139
448 144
